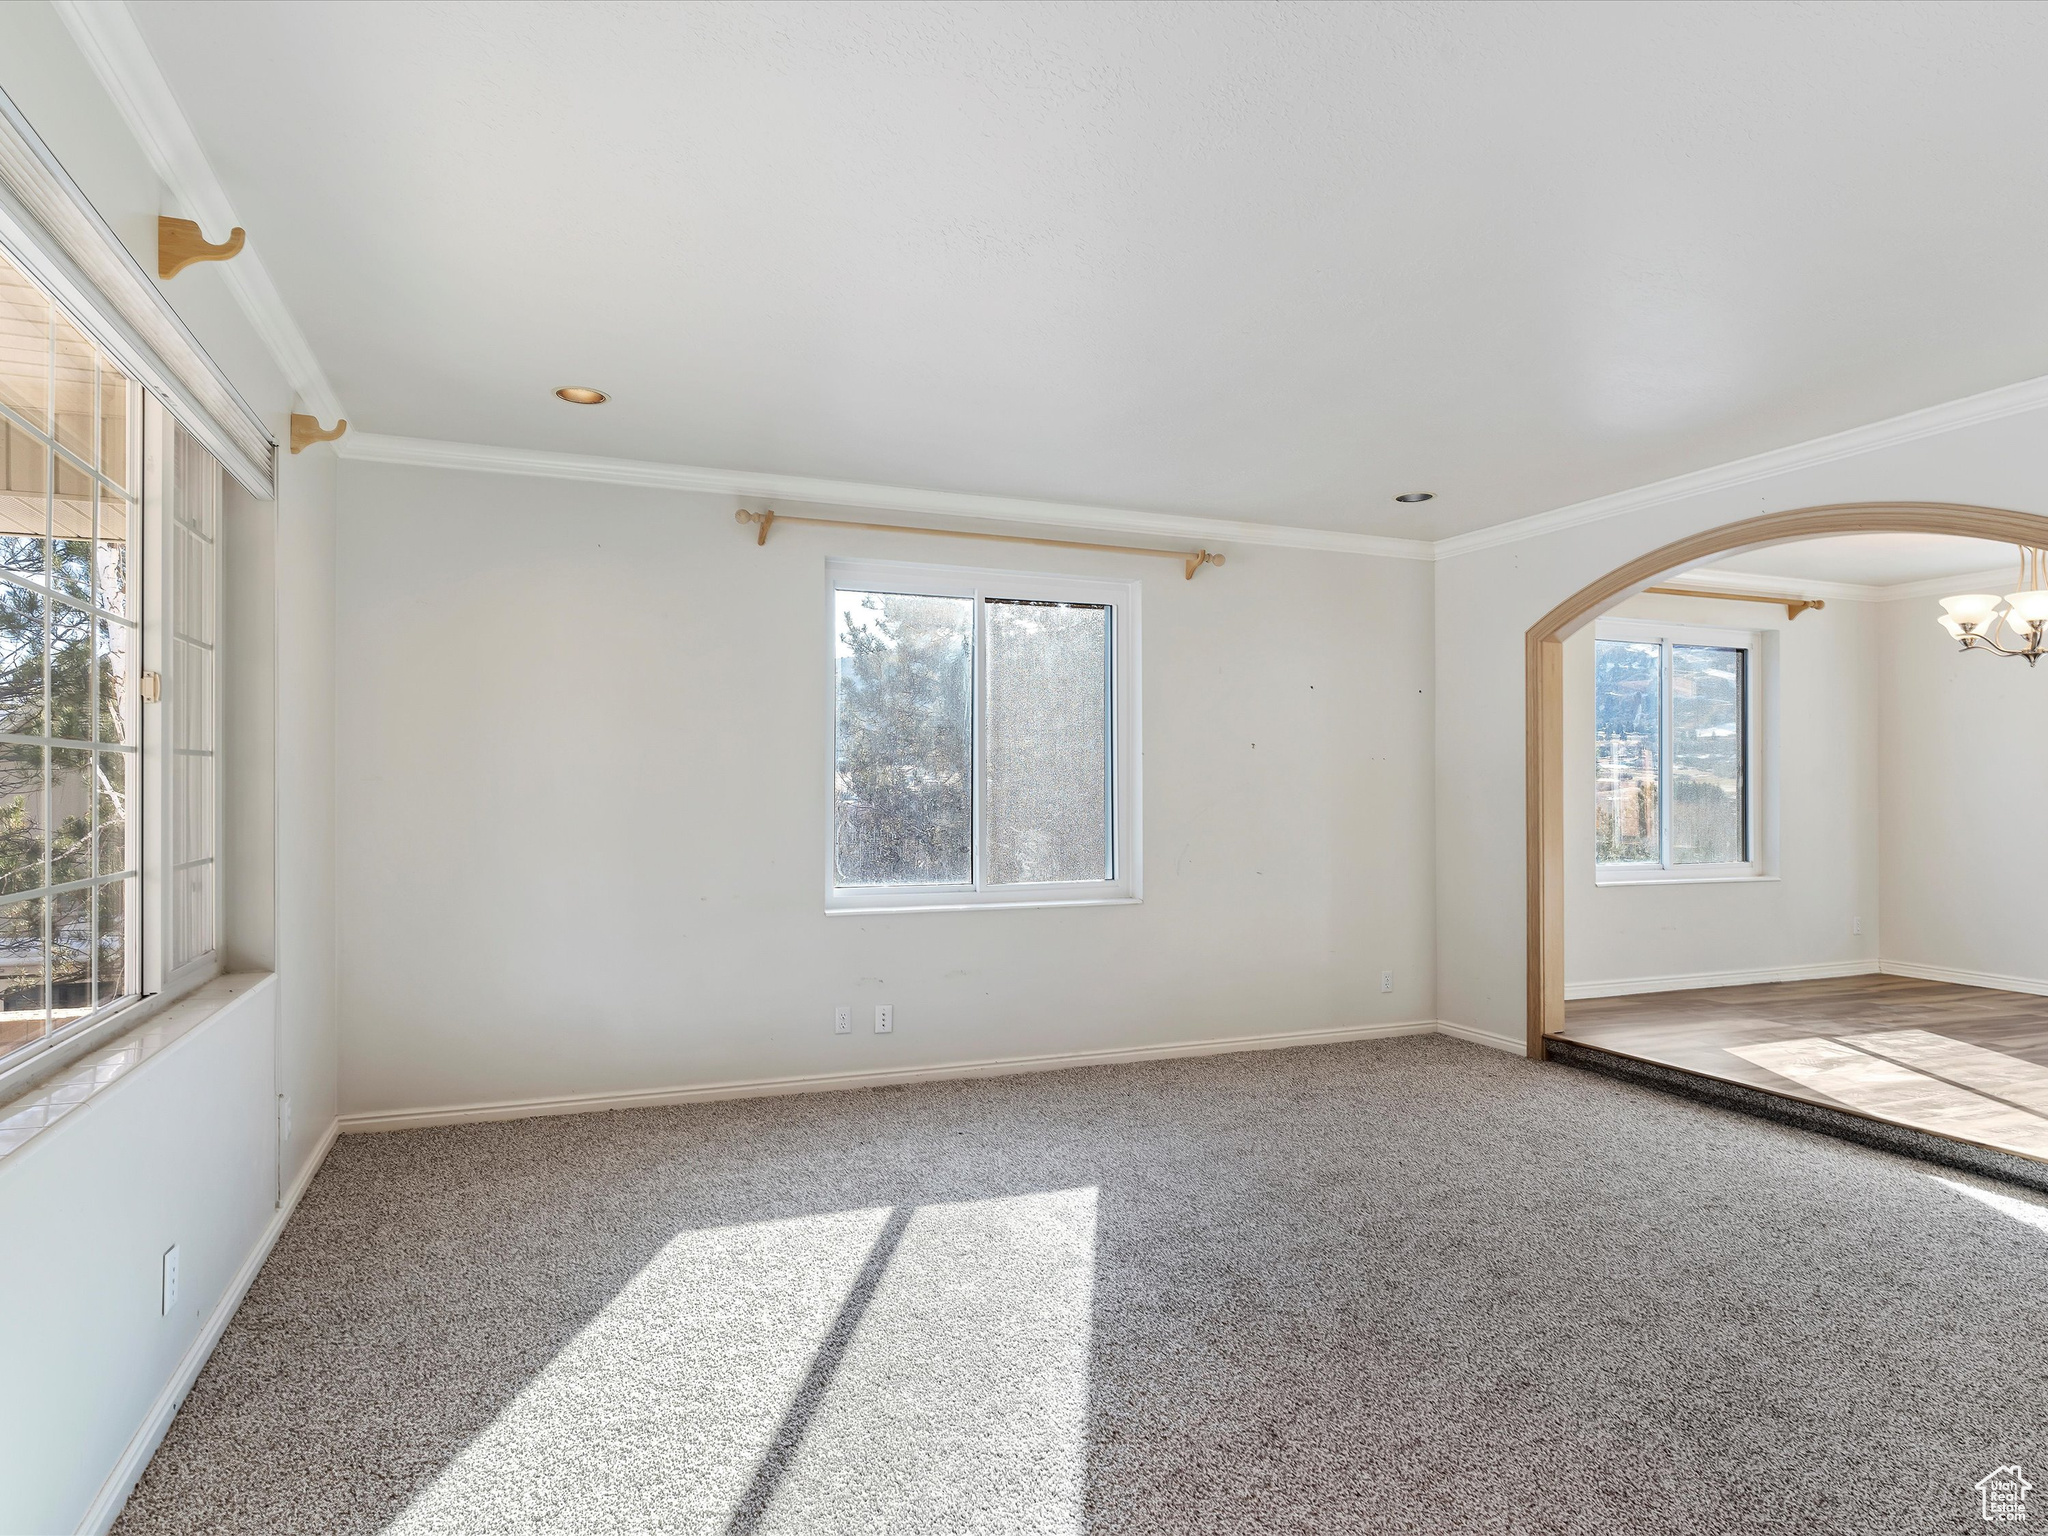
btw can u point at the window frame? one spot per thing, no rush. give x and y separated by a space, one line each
1755 753
1125 744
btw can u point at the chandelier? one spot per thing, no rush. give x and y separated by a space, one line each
1975 618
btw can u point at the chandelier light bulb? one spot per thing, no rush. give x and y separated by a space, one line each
1971 609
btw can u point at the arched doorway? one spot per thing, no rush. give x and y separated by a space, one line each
1545 686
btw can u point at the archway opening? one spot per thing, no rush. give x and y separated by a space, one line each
1707 818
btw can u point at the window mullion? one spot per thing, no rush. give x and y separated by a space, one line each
978 720
1664 750
1111 811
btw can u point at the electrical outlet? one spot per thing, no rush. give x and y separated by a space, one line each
842 1020
284 1120
1856 925
885 1018
170 1278
1386 981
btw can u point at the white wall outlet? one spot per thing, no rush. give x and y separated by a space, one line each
885 1018
1855 925
1386 981
284 1119
170 1278
842 1020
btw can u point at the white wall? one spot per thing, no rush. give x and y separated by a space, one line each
1487 598
177 1153
1821 737
1965 821
582 807
309 1053
185 1148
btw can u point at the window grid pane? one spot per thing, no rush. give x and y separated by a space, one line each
24 1010
1046 756
903 786
1709 689
1628 746
24 348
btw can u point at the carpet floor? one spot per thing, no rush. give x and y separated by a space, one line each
1405 1285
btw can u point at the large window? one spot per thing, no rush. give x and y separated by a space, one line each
984 739
77 553
68 660
1674 729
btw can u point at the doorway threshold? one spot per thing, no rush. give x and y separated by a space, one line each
1827 1119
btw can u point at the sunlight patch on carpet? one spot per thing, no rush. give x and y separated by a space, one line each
962 1404
957 1402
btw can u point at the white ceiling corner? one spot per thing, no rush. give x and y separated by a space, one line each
113 45
1973 410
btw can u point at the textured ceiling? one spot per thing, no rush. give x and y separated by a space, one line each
1269 262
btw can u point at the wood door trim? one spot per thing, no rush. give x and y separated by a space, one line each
1543 660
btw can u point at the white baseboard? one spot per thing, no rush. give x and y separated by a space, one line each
2028 984
828 1082
107 1503
1518 1046
1574 990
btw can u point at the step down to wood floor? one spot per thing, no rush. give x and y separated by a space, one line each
1846 1124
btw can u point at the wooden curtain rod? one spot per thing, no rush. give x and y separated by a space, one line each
1193 562
1794 606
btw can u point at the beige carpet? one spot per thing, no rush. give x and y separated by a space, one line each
1411 1285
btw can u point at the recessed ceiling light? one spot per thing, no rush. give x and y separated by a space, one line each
1418 496
576 394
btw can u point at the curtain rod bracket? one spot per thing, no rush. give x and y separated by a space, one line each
306 431
180 243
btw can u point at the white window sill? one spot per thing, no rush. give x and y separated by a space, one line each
150 1032
985 906
1664 879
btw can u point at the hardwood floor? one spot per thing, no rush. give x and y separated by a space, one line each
1966 1062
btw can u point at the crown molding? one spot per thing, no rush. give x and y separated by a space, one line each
1971 410
376 448
106 34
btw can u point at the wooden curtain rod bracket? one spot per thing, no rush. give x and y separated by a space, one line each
1192 561
180 243
1794 606
306 431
